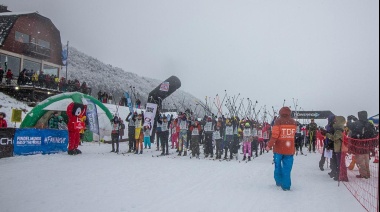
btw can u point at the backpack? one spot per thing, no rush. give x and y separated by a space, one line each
368 130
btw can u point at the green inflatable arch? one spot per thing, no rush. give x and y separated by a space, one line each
39 111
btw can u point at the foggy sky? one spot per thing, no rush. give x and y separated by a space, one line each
325 54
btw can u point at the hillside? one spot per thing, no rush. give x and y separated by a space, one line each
100 76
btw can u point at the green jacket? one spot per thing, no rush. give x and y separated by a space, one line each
337 137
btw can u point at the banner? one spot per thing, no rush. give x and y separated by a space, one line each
149 115
129 102
92 116
40 141
16 116
6 142
311 114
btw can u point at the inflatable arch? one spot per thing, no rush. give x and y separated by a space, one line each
58 103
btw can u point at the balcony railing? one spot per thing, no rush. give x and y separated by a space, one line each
36 50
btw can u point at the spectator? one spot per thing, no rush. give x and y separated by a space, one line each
362 131
122 128
1 75
3 122
138 103
9 76
35 78
41 79
100 96
83 88
53 121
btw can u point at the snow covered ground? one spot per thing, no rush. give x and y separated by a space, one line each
99 180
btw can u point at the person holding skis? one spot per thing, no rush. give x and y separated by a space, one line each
195 129
247 138
165 134
228 138
131 130
139 134
282 139
183 125
208 131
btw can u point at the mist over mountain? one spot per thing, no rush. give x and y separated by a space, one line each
114 80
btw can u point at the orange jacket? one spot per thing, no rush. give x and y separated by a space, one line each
283 132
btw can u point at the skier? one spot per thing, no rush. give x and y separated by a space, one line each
229 138
165 134
247 138
139 136
217 136
208 131
146 132
182 140
195 129
115 134
174 133
131 130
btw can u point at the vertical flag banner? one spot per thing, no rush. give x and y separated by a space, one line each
92 117
129 102
64 55
149 115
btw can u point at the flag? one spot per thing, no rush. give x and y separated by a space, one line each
129 102
64 55
92 116
149 115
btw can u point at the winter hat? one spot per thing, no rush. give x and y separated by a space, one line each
2 113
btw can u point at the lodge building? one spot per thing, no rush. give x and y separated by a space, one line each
30 41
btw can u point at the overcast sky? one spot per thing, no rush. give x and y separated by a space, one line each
323 53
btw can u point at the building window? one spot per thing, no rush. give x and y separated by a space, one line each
44 44
30 65
21 37
50 70
12 64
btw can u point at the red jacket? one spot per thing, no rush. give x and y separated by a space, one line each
9 74
3 123
283 133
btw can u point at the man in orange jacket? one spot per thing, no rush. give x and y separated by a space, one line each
282 139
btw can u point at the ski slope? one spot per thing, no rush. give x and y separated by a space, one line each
99 180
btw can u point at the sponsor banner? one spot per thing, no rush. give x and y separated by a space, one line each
40 141
149 115
164 86
129 102
311 114
92 117
6 142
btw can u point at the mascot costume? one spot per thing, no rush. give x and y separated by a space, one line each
75 113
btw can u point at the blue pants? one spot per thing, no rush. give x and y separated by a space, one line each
147 142
282 167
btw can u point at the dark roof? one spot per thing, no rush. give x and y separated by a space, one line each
6 24
7 20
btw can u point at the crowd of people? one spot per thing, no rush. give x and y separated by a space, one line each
222 138
50 81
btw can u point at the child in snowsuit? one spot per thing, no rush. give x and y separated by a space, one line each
139 136
195 138
182 140
174 134
218 140
247 138
147 143
165 134
229 138
208 128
